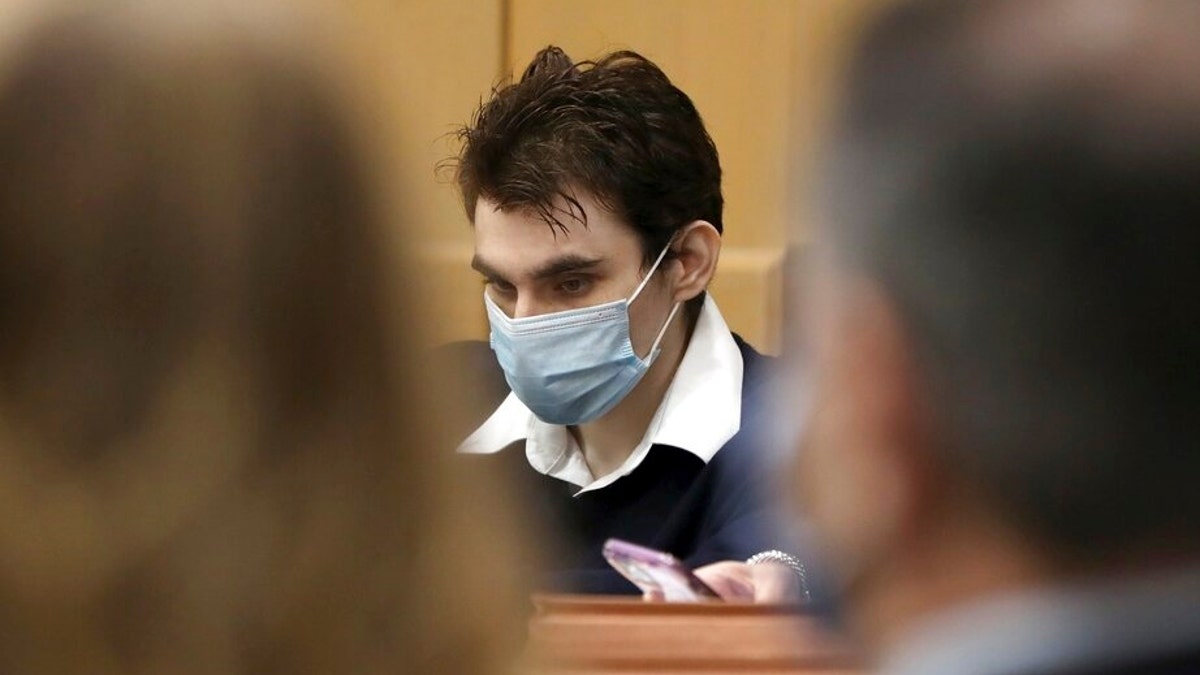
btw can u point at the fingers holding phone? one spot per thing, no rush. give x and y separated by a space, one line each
659 575
731 580
766 582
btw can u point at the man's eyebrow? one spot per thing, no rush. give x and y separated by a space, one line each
480 265
568 263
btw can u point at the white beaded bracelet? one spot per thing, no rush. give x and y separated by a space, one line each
792 562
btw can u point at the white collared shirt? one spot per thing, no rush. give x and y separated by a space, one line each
700 411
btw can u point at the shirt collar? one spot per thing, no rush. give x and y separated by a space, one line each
1054 628
700 411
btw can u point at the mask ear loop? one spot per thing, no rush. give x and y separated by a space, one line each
653 268
654 350
674 310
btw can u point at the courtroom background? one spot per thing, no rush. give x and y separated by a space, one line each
761 72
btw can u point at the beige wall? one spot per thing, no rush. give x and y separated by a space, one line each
758 70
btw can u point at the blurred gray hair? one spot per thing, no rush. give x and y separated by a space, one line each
1023 181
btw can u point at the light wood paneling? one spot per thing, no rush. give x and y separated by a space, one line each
439 58
448 58
761 72
825 33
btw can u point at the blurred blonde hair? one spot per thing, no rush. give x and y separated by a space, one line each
219 452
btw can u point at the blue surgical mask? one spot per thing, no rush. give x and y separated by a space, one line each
572 367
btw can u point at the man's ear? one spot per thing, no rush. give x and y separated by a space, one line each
694 253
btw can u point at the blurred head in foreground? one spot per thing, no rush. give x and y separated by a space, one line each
215 458
1006 306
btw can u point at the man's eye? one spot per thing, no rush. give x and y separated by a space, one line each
573 286
499 287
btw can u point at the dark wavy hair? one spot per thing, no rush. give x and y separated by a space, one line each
615 128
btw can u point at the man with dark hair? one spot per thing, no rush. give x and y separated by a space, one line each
1003 464
595 194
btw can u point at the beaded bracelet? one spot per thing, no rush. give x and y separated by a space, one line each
792 562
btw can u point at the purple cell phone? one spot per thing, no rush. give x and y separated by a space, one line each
656 572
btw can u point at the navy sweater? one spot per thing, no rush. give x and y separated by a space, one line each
673 501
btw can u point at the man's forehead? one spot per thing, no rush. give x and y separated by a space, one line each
526 232
488 212
520 240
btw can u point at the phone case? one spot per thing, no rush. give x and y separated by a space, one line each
656 572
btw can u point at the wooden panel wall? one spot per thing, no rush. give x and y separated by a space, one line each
758 70
447 56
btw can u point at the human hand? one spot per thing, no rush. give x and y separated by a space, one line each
763 583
